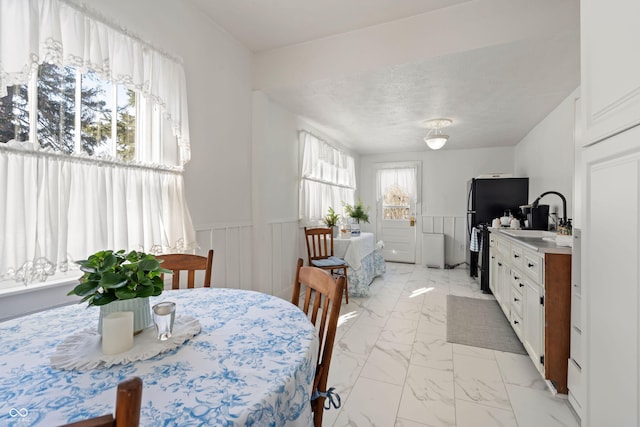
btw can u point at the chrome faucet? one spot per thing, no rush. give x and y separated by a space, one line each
564 204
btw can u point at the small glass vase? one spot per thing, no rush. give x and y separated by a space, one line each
139 306
355 229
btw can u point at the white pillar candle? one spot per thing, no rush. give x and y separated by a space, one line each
117 332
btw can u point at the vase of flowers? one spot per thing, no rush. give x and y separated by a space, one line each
120 281
331 220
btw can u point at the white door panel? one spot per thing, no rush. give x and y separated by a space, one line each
397 199
399 239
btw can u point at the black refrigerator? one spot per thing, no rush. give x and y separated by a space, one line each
489 198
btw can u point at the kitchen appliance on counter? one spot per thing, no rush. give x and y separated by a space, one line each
489 198
536 217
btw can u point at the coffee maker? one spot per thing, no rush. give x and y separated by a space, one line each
537 218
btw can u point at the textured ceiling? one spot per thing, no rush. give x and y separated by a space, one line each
495 95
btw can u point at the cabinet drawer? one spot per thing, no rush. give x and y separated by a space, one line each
516 324
576 386
533 265
575 346
516 256
516 301
501 245
517 281
576 311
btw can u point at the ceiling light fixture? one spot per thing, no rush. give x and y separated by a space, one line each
435 139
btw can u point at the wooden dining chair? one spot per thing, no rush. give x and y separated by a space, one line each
322 301
128 402
191 264
320 253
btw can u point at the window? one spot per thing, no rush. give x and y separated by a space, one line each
93 138
328 179
397 192
396 203
65 98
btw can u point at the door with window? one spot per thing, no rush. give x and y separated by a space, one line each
397 199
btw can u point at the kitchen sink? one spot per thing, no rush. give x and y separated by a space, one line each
537 234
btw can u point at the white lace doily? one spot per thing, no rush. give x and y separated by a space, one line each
83 350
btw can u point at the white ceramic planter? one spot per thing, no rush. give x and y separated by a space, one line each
139 306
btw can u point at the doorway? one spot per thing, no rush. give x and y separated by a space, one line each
397 199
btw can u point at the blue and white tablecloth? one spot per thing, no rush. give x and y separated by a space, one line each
253 363
365 262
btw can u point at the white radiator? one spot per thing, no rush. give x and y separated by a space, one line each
433 249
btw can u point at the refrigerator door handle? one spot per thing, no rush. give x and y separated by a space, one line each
470 211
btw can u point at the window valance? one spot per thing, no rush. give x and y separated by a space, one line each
62 33
324 163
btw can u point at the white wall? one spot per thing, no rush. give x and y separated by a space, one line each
546 156
275 192
444 190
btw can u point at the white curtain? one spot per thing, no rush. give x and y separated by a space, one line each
405 178
328 178
57 209
61 33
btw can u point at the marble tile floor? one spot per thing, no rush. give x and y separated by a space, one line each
392 365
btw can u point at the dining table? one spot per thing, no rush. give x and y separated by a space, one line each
251 363
364 257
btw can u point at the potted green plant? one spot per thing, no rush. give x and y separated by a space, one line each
358 211
121 281
331 220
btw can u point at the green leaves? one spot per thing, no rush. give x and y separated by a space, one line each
85 288
358 211
332 218
110 276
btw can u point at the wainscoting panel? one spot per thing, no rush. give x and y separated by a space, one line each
275 249
454 229
284 243
232 261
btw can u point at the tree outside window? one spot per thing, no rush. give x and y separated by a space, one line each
396 203
65 98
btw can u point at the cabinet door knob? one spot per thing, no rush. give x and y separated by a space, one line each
516 300
499 264
515 322
516 256
516 277
521 285
530 265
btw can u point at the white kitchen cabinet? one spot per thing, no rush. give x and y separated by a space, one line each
534 291
575 381
610 81
610 281
501 275
610 95
533 339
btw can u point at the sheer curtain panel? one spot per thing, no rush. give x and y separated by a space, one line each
405 178
58 209
328 178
